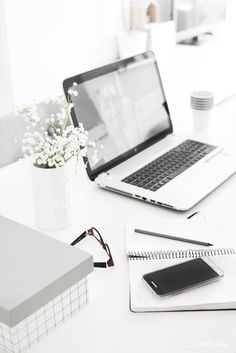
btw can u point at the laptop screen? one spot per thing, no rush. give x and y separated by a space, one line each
123 107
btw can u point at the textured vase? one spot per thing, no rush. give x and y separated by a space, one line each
51 198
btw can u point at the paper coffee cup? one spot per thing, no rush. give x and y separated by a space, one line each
201 103
201 119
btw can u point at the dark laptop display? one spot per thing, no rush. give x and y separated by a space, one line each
123 107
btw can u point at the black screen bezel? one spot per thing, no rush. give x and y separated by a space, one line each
89 75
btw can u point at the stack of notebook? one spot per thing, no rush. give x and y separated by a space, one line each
147 253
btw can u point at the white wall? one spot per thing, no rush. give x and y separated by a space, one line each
50 40
6 96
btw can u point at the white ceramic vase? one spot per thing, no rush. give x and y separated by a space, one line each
51 197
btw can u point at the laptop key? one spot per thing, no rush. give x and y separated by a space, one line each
154 188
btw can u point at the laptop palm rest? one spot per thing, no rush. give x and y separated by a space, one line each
199 180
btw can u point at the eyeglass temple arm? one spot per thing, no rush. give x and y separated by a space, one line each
100 264
80 237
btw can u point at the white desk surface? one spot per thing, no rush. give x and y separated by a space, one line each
107 325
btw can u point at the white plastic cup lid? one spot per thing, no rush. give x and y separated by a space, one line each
202 107
202 95
198 100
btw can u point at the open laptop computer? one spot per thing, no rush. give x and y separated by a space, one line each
124 109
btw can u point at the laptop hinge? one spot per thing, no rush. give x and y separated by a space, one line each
100 176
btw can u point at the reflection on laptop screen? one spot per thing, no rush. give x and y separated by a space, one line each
122 108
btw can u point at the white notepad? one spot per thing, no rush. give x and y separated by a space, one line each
149 253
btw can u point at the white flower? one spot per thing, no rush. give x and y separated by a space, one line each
75 84
50 163
83 152
70 91
53 149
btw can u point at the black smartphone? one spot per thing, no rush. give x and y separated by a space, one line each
183 276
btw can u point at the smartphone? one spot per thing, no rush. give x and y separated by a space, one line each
178 278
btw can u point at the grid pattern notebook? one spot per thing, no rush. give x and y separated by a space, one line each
148 253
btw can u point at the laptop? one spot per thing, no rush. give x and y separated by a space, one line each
125 111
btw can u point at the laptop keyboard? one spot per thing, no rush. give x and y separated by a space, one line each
166 167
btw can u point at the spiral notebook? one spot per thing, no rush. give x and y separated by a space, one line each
148 253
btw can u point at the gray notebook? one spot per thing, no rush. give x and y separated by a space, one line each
34 269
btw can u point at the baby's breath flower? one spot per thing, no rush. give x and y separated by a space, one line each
54 146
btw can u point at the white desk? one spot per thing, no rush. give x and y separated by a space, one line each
107 325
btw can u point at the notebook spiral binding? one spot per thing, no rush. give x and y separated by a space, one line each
179 254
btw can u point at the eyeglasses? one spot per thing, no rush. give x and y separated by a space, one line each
95 233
